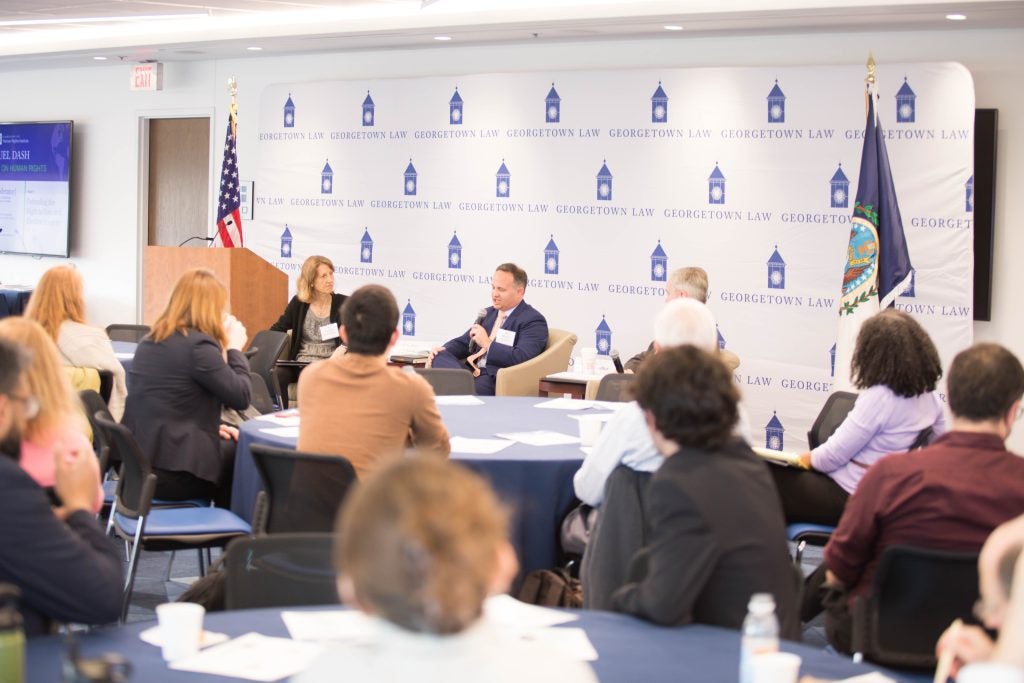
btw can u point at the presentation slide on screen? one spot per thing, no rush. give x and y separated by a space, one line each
34 189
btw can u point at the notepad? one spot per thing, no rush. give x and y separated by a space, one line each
787 458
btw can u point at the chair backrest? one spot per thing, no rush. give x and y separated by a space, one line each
137 482
620 532
127 333
916 593
269 346
448 381
94 405
523 379
283 570
837 407
304 490
260 398
615 387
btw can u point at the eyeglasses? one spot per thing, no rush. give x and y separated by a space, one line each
30 404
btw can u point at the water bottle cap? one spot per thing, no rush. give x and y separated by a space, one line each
761 602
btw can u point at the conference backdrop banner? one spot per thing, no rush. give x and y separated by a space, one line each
600 183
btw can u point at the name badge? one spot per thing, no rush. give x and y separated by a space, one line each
328 332
506 337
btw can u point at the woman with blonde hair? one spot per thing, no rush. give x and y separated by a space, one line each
184 372
55 419
57 304
312 316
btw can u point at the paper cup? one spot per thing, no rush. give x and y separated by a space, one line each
590 429
776 667
588 356
181 628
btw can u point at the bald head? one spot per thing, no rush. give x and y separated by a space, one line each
685 321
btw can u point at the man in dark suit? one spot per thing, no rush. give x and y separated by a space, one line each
510 332
715 531
62 563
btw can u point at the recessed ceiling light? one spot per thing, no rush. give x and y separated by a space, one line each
673 27
442 38
254 48
956 17
100 59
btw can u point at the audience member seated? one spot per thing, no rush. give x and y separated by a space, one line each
716 533
312 317
58 305
66 569
507 333
419 547
55 418
896 366
625 439
355 405
1001 608
948 496
184 372
685 283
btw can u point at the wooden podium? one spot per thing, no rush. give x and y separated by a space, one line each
257 291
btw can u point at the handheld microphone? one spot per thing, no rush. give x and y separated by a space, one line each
473 346
197 237
614 353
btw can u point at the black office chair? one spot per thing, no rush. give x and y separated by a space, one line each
615 387
269 345
837 406
127 333
302 491
260 397
448 381
915 595
283 570
142 526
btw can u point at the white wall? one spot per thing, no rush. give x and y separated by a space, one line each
105 206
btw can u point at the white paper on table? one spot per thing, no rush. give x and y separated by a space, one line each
572 642
124 355
614 406
873 677
254 657
458 401
587 450
207 639
540 437
332 625
509 612
464 444
292 432
600 417
565 404
571 376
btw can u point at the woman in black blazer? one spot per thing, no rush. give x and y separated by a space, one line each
183 373
312 316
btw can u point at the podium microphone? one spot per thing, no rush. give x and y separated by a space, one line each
473 346
614 353
197 237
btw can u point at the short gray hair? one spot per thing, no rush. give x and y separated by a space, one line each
685 321
692 280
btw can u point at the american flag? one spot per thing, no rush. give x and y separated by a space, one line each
229 218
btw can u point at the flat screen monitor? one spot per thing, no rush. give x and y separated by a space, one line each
35 188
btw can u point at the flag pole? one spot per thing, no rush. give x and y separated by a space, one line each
229 219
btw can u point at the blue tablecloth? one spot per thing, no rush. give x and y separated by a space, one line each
15 298
629 650
535 481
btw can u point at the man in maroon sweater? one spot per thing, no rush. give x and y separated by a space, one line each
948 496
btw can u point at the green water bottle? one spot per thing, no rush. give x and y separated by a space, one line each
12 636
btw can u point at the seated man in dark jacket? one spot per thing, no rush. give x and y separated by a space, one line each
715 531
64 566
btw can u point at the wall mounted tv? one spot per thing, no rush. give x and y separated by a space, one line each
35 192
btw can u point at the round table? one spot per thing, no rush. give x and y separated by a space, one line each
629 650
534 481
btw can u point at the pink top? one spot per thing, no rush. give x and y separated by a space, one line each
37 456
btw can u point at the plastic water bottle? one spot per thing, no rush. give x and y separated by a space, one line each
12 637
760 633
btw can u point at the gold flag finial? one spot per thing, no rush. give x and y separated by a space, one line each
233 110
870 78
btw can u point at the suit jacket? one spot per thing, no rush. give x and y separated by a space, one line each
531 330
716 536
66 571
179 386
295 314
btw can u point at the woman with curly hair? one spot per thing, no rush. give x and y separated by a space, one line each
896 367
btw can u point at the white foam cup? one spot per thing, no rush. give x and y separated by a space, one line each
181 628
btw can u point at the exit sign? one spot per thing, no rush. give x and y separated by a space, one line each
147 76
